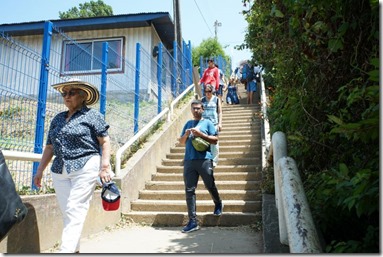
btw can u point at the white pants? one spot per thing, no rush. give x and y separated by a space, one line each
74 192
215 150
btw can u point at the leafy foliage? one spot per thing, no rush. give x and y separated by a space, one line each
208 48
322 69
88 9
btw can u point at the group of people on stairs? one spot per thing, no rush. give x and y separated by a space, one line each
206 125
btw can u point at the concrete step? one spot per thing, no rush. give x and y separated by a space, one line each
240 107
202 194
221 176
226 133
241 129
249 128
228 219
236 148
202 205
226 136
245 148
218 169
222 161
239 142
243 120
240 111
246 141
242 116
221 185
224 154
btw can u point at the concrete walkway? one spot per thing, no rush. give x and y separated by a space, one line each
147 239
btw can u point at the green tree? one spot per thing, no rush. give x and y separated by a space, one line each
322 68
209 48
88 9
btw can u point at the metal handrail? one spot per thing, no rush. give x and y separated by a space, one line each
178 98
296 225
148 126
131 141
21 156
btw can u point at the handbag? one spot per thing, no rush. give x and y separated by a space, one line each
200 144
110 196
12 209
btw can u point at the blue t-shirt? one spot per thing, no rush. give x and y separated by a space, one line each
206 127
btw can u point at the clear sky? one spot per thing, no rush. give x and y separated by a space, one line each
197 17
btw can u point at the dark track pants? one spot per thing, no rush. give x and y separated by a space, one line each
192 170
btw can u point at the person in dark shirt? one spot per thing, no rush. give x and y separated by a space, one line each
79 140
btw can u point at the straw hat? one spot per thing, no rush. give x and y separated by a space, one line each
92 92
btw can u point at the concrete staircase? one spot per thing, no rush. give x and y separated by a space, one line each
238 177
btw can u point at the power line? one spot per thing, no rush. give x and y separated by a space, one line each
203 17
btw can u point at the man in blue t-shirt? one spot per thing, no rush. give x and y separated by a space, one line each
198 163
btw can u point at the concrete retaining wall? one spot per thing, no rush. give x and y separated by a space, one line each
42 227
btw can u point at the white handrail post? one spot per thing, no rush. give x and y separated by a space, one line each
279 146
302 234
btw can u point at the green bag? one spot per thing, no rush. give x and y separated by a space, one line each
200 144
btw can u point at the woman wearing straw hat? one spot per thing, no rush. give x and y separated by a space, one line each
79 140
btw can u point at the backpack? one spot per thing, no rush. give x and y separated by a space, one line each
247 73
258 77
238 74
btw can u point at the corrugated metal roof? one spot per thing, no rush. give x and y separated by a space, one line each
160 20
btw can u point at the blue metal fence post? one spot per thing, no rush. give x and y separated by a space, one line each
202 67
137 88
104 71
183 61
219 62
175 75
190 64
159 77
43 87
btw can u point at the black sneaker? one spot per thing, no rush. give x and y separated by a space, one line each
218 209
190 227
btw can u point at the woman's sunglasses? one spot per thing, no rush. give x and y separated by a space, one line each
70 93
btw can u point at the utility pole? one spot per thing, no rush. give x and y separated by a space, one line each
177 22
216 25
